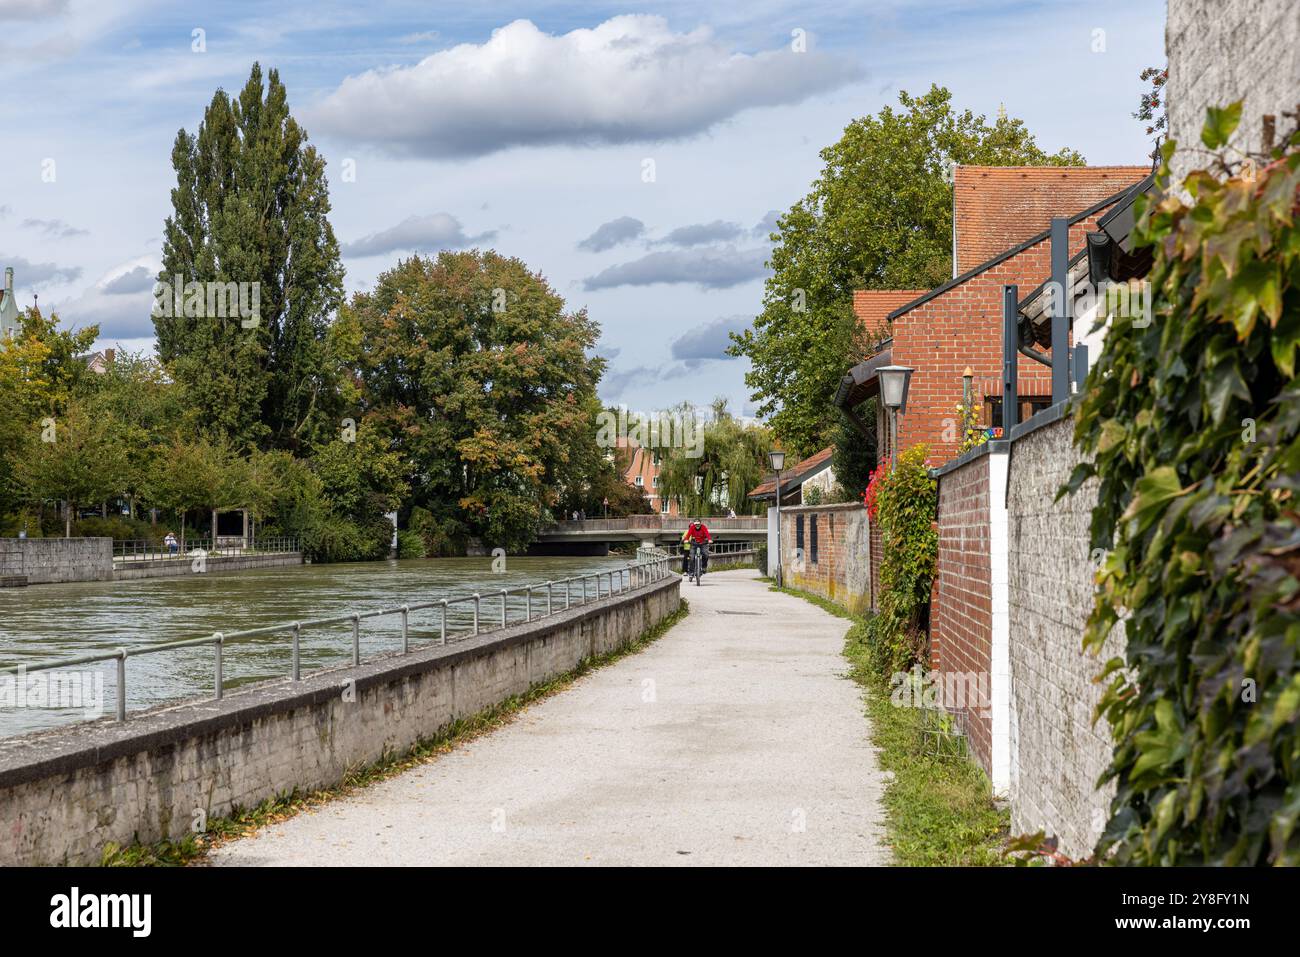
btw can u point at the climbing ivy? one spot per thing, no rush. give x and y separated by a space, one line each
902 500
1192 418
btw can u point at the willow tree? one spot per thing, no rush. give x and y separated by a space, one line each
717 473
250 206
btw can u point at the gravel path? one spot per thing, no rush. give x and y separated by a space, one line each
732 740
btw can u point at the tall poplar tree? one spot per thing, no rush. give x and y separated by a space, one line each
250 206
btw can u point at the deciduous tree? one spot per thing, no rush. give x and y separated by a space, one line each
481 376
878 217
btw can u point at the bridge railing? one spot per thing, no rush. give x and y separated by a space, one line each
141 550
658 523
616 581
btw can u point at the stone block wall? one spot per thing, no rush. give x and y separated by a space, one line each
1221 51
1057 752
44 561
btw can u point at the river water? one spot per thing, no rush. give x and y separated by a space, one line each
45 622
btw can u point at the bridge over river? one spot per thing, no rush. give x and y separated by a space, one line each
651 530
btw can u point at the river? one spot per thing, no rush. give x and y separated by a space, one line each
46 622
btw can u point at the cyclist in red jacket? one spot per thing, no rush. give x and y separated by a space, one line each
697 533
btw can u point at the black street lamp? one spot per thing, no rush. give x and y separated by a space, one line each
776 458
894 383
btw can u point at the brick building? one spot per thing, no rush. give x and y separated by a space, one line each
642 473
958 325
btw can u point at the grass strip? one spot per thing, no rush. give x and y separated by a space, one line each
939 809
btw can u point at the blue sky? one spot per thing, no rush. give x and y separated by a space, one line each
527 127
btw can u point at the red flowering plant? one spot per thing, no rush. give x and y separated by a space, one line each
874 482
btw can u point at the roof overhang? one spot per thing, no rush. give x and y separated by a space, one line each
1111 252
862 381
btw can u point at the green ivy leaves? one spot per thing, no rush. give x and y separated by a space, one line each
1192 427
905 501
1220 124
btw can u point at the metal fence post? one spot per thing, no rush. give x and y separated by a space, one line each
297 636
503 608
406 637
443 639
567 582
356 640
548 597
217 639
584 589
121 684
528 591
476 601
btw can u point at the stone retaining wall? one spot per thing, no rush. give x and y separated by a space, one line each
66 793
43 561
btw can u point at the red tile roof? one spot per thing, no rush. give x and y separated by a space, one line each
793 477
996 207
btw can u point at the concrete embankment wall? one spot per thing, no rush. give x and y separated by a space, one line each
49 561
43 561
66 793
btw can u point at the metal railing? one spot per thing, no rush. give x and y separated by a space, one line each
730 548
140 550
629 577
662 523
717 548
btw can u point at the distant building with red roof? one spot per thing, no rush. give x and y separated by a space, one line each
813 472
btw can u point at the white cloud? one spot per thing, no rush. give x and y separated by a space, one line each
630 79
424 36
709 341
54 228
706 268
120 303
137 279
422 233
700 234
31 9
28 273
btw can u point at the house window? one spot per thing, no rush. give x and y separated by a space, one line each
664 506
798 533
812 539
655 481
1029 405
639 481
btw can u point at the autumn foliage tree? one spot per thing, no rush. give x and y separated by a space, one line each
481 377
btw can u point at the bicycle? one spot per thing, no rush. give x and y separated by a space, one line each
696 571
